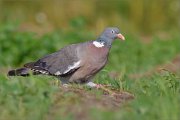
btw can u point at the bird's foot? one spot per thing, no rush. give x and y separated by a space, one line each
94 85
100 86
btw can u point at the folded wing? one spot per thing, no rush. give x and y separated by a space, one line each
61 63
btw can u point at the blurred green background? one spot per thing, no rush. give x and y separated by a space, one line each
140 16
30 29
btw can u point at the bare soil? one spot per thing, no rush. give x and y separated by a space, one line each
79 101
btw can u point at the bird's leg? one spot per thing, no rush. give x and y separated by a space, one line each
91 84
94 85
100 86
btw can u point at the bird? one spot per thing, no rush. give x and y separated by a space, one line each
75 63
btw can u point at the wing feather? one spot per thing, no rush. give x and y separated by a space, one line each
60 63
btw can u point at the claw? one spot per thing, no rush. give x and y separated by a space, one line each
98 86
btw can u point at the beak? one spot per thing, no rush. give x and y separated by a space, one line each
120 36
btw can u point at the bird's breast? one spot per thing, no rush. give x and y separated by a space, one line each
98 52
95 58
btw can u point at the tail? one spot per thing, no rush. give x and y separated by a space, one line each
19 72
26 70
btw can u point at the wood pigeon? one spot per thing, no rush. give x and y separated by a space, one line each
76 63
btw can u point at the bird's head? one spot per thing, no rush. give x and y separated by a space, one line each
112 33
109 35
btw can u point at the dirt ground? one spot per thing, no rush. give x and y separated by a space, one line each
80 101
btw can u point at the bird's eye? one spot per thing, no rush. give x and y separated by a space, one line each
112 31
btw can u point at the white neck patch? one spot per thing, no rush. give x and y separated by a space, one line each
98 44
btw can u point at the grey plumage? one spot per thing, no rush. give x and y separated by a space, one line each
58 61
77 63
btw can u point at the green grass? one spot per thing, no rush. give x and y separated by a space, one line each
157 96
